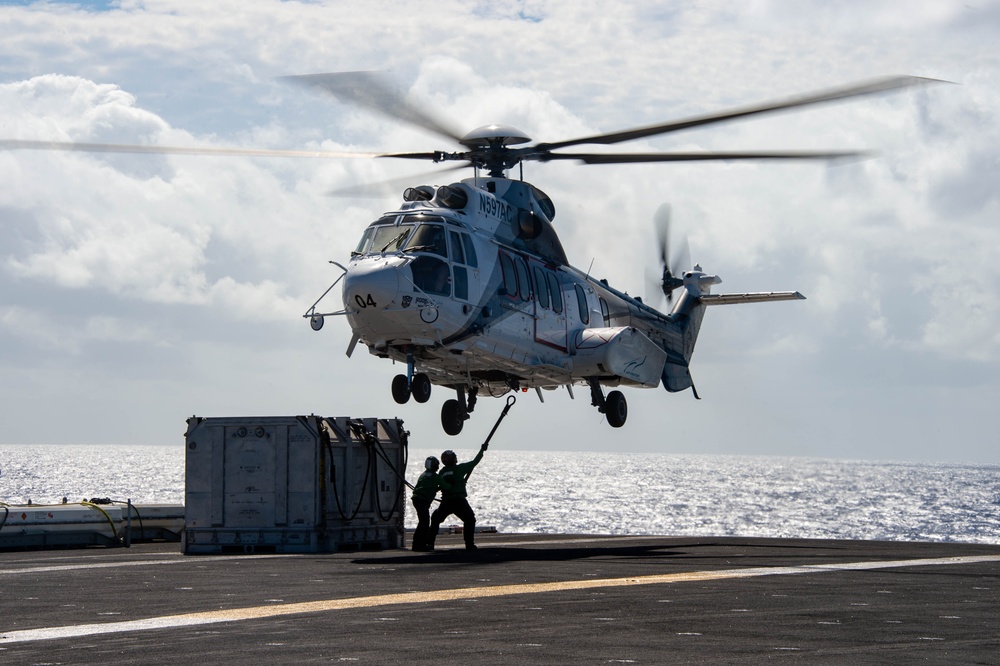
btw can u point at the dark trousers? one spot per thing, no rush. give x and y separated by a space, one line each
420 534
460 507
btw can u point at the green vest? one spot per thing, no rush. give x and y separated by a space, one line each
452 478
427 486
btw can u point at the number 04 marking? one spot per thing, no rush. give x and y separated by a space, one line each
364 302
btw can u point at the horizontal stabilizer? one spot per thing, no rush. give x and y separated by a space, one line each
751 297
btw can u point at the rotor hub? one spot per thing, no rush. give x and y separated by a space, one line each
494 136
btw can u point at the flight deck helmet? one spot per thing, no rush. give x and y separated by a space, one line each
431 464
449 458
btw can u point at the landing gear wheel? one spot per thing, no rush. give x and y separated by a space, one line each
420 387
452 418
616 409
400 389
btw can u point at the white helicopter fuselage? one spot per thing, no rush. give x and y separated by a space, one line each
469 286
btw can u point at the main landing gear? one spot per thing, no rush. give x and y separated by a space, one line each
454 413
614 406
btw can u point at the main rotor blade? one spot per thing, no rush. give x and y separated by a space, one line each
884 84
381 188
636 158
371 90
17 144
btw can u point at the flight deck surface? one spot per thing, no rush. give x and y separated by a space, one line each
551 599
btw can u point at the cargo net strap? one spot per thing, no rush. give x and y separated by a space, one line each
375 451
374 445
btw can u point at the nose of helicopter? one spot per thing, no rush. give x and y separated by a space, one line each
370 285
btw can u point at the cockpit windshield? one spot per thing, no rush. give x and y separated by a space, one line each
411 233
428 238
383 238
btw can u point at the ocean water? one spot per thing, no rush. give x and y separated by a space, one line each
606 493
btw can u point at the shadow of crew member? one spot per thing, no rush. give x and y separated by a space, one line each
422 497
452 480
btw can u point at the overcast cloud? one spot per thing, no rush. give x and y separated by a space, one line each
137 290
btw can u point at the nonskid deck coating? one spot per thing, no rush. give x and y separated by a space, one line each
520 598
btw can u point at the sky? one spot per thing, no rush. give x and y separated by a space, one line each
139 290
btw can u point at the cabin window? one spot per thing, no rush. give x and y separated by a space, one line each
509 275
581 304
605 313
556 292
470 251
541 291
523 281
461 283
430 275
457 252
428 238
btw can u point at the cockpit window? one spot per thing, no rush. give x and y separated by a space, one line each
409 233
428 238
390 239
365 242
383 238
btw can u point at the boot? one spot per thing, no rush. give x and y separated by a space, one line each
431 537
469 532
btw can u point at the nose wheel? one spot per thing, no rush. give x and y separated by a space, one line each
419 387
400 389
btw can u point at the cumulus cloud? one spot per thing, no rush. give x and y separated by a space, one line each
163 254
113 222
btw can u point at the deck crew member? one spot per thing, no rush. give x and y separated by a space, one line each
423 495
452 480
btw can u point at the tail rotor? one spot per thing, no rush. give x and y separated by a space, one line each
673 267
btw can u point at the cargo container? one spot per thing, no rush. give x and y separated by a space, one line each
293 484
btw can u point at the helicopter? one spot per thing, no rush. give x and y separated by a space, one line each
467 284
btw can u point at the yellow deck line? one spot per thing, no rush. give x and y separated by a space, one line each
404 598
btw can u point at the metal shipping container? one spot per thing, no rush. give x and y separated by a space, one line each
294 484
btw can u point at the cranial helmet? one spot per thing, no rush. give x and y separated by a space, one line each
431 464
449 458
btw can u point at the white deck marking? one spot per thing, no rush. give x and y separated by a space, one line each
178 559
325 605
